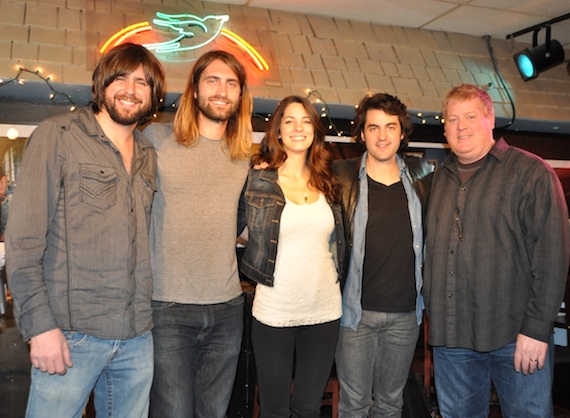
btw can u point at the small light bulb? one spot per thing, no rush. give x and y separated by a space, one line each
12 133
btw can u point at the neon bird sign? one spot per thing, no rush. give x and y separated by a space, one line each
180 25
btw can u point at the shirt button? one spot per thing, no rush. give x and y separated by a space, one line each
451 273
450 295
452 252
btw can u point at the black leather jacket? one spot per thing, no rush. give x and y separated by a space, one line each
261 204
420 171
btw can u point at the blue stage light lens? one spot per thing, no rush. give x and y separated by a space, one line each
526 67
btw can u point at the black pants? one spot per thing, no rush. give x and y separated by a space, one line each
313 348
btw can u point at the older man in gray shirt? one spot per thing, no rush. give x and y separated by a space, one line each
496 263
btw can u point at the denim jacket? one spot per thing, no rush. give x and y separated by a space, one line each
416 176
261 204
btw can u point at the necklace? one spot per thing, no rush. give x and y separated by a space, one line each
305 196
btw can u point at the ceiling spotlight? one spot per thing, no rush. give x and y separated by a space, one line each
532 62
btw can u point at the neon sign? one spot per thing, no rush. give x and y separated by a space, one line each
184 27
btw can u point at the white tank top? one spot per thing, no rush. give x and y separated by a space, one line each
305 290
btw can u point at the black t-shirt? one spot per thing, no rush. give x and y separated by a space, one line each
388 278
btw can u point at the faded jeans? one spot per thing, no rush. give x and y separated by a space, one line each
196 353
374 362
119 371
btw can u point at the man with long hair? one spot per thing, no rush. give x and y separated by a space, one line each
77 246
197 302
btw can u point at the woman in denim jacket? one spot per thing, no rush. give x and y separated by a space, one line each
295 253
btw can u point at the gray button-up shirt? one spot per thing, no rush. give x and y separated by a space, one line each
77 237
496 251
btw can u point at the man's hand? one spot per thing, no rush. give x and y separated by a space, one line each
49 352
530 354
261 166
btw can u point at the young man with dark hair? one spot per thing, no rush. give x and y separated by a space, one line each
384 194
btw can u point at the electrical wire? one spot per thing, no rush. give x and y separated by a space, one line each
487 39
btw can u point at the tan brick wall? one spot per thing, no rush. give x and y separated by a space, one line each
341 59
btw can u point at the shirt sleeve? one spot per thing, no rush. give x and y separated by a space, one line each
31 212
545 217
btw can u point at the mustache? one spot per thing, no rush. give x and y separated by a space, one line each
128 98
220 98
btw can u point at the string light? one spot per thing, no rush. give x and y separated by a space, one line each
54 93
325 111
424 118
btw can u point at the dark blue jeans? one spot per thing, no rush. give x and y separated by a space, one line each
196 353
463 383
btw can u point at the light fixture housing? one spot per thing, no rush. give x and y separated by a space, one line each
531 62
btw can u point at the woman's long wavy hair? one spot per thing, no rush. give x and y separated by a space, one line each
239 130
319 160
124 59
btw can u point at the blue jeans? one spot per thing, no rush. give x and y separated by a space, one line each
196 351
463 383
119 371
374 362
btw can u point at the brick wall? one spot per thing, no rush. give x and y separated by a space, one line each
341 59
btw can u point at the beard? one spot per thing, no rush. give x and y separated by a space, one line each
211 112
122 116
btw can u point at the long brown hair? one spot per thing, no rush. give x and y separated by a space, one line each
239 129
319 160
122 60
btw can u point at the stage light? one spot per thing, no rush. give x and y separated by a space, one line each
531 62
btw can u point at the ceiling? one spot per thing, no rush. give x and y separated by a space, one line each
497 18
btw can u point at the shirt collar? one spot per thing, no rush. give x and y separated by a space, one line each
362 170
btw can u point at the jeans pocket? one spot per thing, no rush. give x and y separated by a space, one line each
75 338
158 305
237 301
